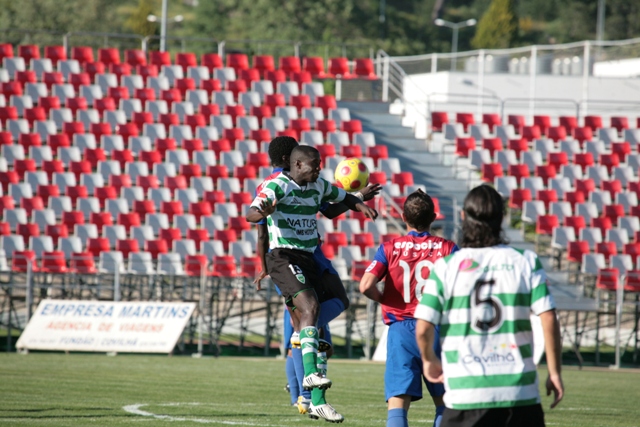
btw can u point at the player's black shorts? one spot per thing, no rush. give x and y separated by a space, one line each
293 270
518 416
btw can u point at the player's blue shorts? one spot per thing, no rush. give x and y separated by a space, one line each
327 334
404 364
322 262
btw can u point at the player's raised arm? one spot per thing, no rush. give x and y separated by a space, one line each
334 210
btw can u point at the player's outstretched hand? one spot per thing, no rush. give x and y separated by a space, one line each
433 371
258 280
554 384
367 211
371 191
267 207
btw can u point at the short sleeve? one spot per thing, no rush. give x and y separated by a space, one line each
271 191
379 265
331 192
432 301
541 299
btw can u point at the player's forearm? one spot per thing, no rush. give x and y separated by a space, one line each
552 342
425 333
263 245
350 201
254 215
369 289
335 210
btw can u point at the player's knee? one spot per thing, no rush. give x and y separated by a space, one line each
345 301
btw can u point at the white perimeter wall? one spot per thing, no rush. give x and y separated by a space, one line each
511 86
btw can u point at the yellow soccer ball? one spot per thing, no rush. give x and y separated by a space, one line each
351 174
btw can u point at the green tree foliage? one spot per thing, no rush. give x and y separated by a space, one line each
498 27
137 21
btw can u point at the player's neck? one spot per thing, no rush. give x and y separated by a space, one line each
410 229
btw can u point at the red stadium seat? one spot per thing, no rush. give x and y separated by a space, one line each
186 60
263 63
607 249
172 208
11 88
200 209
122 156
156 247
531 133
55 54
175 182
28 230
603 223
593 122
82 54
27 76
632 281
185 84
219 146
300 102
239 224
127 246
517 122
301 78
28 52
543 122
104 193
159 58
119 181
335 240
82 263
622 149
363 240
464 145
620 123
233 134
261 112
141 118
339 67
226 237
574 197
275 76
145 94
6 51
613 186
168 120
94 155
8 177
518 145
8 113
55 231
275 100
5 227
613 212
135 57
584 160
610 161
518 196
198 235
213 197
150 158
209 110
171 96
100 219
289 64
129 220
240 199
80 167
364 69
519 171
250 267
234 111
249 75
93 68
378 152
326 150
77 103
403 179
576 249
46 191
326 126
51 167
210 85
33 114
545 172
211 61
326 102
98 244
547 197
492 144
150 70
144 207
197 265
169 235
492 120
351 127
22 166
490 171
583 134
585 186
120 69
258 160
558 159
465 119
29 140
105 104
569 123
118 93
557 133
351 151
236 87
6 138
237 61
546 223
21 261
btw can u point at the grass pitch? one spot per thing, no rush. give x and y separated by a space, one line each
96 390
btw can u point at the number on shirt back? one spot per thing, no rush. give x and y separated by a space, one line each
488 308
419 278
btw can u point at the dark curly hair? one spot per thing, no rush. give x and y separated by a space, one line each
483 213
419 210
279 148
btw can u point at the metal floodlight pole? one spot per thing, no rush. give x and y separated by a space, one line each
455 26
163 27
600 21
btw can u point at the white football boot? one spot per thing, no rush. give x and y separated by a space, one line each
316 381
325 411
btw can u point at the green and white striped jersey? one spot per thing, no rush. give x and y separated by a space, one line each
482 299
293 225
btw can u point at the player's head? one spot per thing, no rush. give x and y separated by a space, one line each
483 211
419 211
280 150
305 164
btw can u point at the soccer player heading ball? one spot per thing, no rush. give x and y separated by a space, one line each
404 263
482 297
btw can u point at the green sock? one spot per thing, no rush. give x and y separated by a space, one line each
309 345
317 395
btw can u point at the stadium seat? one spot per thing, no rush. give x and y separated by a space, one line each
339 68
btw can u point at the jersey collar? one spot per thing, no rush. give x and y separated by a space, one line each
416 234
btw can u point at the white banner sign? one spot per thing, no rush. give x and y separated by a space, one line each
103 326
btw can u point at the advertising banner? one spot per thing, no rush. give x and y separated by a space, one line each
105 326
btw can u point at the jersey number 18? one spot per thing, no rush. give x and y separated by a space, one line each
419 278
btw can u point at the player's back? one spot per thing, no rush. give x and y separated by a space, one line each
409 259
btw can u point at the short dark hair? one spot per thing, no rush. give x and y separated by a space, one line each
419 210
303 152
483 213
279 147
